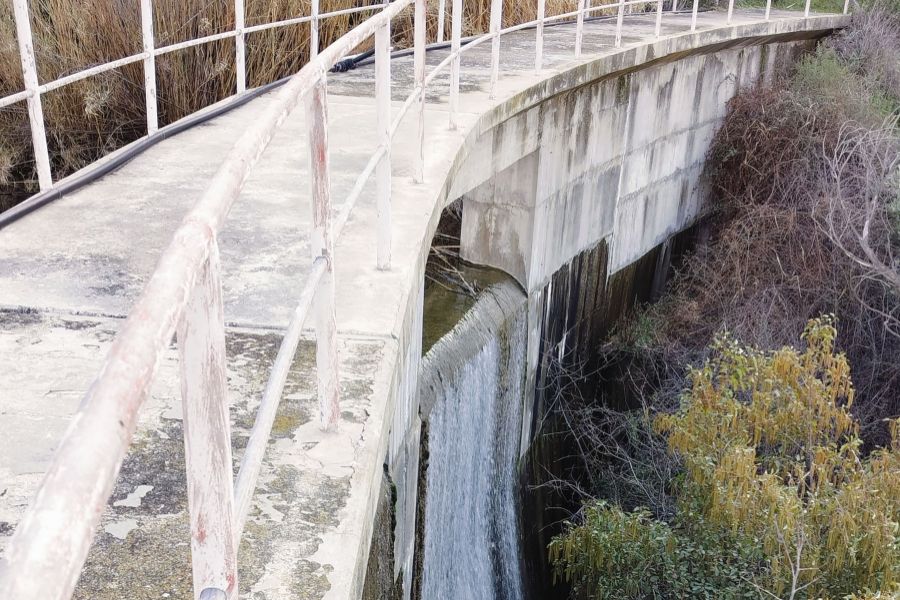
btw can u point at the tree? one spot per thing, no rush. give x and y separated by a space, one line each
860 186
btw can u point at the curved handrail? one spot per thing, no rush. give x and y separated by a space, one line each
162 50
183 294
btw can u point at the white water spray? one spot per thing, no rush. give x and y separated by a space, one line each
472 384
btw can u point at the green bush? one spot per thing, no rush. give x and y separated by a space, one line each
615 554
829 83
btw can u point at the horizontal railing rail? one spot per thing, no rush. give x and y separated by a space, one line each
34 89
183 297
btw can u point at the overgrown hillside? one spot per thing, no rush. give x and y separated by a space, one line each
804 222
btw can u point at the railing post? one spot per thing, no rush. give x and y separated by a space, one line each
322 247
240 58
694 10
846 6
419 67
579 28
806 9
659 13
731 11
496 25
769 9
314 30
674 5
35 107
456 63
619 20
442 10
539 35
149 66
383 129
207 436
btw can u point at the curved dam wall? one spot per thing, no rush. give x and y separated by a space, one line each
615 159
616 162
575 187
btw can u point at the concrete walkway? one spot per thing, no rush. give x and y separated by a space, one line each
70 271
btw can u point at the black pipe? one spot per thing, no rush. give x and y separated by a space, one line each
76 182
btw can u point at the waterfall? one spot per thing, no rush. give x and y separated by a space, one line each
471 392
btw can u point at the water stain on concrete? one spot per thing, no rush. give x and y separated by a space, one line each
135 497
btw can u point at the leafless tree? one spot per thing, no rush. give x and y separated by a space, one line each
618 455
859 186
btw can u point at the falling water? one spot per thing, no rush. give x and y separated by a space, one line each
471 392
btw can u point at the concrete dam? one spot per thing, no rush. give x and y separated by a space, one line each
573 183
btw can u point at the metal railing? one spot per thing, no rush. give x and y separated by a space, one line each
184 295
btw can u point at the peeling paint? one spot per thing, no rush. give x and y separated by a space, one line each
135 497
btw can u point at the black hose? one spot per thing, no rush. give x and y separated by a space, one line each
351 62
366 58
76 182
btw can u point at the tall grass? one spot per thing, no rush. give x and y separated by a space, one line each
93 117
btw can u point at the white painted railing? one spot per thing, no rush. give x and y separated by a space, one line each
184 295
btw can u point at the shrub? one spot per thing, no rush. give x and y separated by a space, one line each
776 497
796 171
771 452
871 45
615 554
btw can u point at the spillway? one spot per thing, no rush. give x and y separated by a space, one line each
472 394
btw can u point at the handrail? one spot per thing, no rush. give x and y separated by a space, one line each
29 65
184 295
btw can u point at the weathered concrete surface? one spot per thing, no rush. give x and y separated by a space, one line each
617 156
143 546
70 271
